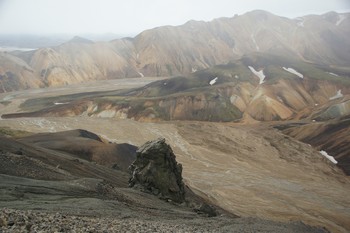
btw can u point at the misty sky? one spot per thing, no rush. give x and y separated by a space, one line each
129 17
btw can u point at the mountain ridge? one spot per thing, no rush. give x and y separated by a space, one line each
195 45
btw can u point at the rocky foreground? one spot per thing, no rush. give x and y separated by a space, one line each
34 221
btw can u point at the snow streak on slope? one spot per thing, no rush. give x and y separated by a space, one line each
293 71
260 74
331 158
337 96
213 81
333 74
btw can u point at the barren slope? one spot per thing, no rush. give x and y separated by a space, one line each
330 136
249 170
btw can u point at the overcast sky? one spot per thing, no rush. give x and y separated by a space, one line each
129 17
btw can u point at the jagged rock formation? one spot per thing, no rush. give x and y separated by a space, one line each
156 170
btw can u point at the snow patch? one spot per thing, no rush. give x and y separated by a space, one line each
58 103
213 81
280 99
141 74
331 158
336 96
333 74
236 76
340 19
194 70
293 71
260 74
254 41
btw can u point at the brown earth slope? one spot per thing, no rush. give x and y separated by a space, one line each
331 136
252 171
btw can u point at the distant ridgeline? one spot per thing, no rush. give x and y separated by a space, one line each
181 50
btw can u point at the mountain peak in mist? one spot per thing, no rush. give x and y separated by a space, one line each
79 39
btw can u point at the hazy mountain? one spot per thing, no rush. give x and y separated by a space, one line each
32 41
169 51
16 74
21 41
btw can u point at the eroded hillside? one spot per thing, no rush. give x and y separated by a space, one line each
257 87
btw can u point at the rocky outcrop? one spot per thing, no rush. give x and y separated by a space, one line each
156 170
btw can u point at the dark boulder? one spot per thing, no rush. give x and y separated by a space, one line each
155 170
206 209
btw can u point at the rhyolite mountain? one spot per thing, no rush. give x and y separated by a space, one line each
257 87
180 50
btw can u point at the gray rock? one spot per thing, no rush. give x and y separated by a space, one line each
3 222
155 170
206 209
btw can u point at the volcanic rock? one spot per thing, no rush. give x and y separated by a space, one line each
155 170
207 210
